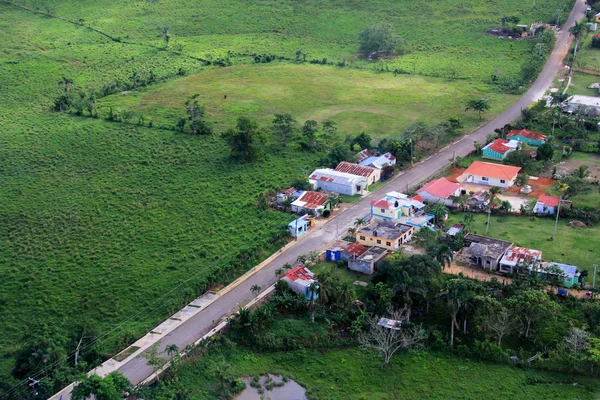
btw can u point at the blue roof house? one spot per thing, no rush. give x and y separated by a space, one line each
569 271
298 227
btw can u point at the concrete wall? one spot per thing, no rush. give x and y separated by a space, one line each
349 190
490 182
361 266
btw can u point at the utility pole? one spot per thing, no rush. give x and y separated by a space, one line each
557 214
487 227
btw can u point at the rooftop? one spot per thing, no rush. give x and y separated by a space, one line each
570 271
300 273
455 228
352 248
384 230
527 134
310 200
584 100
395 200
492 170
486 246
502 146
549 201
342 178
362 155
441 188
373 254
379 161
518 255
355 169
390 323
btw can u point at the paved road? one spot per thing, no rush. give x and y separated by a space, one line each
137 370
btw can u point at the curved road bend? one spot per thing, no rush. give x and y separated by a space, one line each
194 328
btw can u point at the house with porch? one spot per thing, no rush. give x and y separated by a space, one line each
571 275
367 262
400 208
385 234
485 252
312 203
440 191
337 182
485 173
499 149
516 258
527 136
300 278
373 175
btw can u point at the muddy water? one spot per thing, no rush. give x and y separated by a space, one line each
289 391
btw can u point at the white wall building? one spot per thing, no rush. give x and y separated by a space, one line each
337 182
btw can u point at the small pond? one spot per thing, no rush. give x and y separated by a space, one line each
273 387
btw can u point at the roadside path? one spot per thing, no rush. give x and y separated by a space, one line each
197 326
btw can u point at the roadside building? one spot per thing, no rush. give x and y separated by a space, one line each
385 234
587 105
571 275
285 195
343 251
337 182
485 173
300 278
299 226
499 149
455 229
546 205
367 262
526 136
440 191
517 258
379 161
485 252
373 175
312 203
400 208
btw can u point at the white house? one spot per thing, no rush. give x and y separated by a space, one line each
300 278
439 191
546 205
485 173
379 161
520 256
337 182
373 175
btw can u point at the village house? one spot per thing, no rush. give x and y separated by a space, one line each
379 161
300 278
363 155
527 136
440 191
455 229
309 202
485 252
588 105
285 195
485 173
401 208
385 234
367 262
373 175
516 257
300 225
337 182
546 205
499 149
479 199
343 251
571 275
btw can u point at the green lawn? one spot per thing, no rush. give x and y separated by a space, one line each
357 100
575 246
580 83
355 374
588 57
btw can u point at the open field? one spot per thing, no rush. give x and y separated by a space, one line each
580 83
574 246
588 57
380 104
354 374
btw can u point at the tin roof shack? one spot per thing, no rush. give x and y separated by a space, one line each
571 275
343 251
485 252
285 195
499 149
379 161
299 226
309 202
385 234
372 175
299 279
455 229
367 262
527 136
390 323
479 199
520 258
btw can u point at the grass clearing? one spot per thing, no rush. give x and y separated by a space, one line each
580 83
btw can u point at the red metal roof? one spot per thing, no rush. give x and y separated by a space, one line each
289 191
492 170
380 203
498 146
356 249
417 198
313 199
300 272
549 201
521 254
355 169
441 188
527 134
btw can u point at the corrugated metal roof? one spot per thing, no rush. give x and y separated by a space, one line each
355 169
330 175
527 134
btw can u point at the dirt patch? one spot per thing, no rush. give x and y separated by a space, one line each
539 185
565 168
454 174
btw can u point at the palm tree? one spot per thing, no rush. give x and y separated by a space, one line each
479 105
494 191
578 30
351 231
171 349
287 266
313 289
327 282
505 207
439 211
255 288
442 253
345 294
467 221
67 82
279 272
359 222
562 188
164 32
458 293
581 172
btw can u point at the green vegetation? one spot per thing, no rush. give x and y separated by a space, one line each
580 83
575 246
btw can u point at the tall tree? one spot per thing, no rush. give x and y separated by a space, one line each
442 253
532 306
67 83
493 192
114 386
196 119
579 30
479 105
381 37
166 35
329 128
458 292
309 133
246 141
439 211
283 127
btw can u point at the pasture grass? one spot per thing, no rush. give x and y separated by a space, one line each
588 57
580 83
573 246
351 373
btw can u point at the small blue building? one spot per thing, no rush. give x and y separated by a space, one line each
298 227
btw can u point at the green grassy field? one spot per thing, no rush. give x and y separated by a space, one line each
580 83
588 57
380 104
100 220
574 246
355 374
